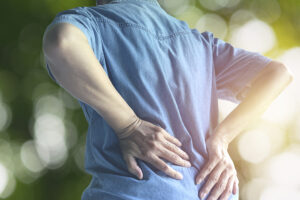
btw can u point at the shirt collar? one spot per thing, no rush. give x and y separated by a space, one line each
155 2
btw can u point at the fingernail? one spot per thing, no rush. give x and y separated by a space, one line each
199 180
187 155
202 195
179 176
139 174
188 164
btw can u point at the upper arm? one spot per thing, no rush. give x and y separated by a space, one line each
271 68
68 28
61 35
234 68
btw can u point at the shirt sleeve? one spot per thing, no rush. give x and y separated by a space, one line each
234 69
78 17
50 73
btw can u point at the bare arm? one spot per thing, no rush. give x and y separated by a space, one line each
265 87
219 168
76 68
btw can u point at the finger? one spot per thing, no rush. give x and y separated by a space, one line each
176 150
225 195
174 158
214 177
170 138
161 165
133 166
235 186
220 186
206 169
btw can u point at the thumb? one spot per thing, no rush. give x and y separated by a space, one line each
133 166
235 187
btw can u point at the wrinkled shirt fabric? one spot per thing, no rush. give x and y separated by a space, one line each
170 75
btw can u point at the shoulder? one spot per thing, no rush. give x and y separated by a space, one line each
208 37
205 38
70 24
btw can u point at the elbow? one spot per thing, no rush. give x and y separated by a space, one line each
282 70
291 76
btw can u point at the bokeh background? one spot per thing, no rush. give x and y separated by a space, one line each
43 129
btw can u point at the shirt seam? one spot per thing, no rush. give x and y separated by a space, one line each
162 37
148 1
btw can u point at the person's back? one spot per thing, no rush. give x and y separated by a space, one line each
171 76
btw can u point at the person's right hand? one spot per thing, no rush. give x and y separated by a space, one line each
149 142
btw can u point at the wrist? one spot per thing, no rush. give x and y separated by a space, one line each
221 136
130 128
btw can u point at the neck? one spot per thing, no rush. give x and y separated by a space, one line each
101 2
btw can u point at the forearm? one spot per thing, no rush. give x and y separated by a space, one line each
76 68
267 85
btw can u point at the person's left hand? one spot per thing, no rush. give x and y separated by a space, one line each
220 169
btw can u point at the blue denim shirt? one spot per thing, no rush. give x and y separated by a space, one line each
170 75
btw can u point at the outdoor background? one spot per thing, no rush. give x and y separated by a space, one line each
43 129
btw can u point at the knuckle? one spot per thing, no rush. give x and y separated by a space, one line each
174 157
143 153
130 165
219 186
180 152
215 155
223 188
146 154
173 147
226 172
130 169
160 136
153 136
229 173
164 142
152 144
228 190
158 131
156 135
158 128
214 179
200 176
164 167
210 168
214 160
173 174
224 162
218 156
223 185
230 167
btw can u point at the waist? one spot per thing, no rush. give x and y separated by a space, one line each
154 185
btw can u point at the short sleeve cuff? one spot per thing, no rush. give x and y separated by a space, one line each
75 18
50 73
237 93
